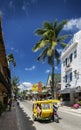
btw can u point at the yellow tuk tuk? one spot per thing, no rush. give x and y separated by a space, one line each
46 110
43 110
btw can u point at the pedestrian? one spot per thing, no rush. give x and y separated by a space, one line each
10 103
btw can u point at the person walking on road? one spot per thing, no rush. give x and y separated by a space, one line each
10 104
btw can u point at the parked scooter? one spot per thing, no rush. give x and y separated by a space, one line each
55 115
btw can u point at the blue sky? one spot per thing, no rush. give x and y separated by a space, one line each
20 19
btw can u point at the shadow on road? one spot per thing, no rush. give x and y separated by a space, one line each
24 122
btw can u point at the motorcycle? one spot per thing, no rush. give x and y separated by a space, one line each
55 114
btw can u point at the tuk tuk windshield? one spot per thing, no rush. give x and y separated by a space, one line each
46 106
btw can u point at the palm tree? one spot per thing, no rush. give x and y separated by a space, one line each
15 84
10 58
49 42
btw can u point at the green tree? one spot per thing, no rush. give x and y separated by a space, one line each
49 41
15 84
11 59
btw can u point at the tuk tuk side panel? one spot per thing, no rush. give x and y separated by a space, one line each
46 113
34 110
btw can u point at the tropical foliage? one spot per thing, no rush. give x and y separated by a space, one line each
49 42
10 58
15 84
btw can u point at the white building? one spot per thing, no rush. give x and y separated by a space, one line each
71 70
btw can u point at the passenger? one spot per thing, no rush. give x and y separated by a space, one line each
39 110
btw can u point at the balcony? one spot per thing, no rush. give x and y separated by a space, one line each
68 67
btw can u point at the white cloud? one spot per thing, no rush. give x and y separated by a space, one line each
25 7
25 86
73 24
31 68
47 71
13 49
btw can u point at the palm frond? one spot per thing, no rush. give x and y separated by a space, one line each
39 31
48 33
62 44
43 43
42 55
10 58
36 47
48 25
55 24
60 27
62 38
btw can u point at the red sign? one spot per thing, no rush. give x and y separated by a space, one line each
40 87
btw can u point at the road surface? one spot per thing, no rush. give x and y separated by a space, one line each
68 120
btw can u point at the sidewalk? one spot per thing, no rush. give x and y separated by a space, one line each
8 120
78 111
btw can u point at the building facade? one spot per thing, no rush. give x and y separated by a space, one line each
71 70
5 85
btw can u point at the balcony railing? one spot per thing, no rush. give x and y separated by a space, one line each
68 67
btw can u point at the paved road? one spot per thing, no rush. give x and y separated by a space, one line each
68 120
27 108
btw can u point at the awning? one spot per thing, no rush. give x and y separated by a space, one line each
65 91
70 90
78 89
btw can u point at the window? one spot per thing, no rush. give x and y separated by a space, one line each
66 78
75 53
46 106
71 57
66 61
71 76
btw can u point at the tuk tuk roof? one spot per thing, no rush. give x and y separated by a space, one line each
55 100
46 101
42 101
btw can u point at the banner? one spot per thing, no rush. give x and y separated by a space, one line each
35 87
40 87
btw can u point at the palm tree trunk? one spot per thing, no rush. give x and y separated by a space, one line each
52 87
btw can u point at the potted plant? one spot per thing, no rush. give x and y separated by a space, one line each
79 102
